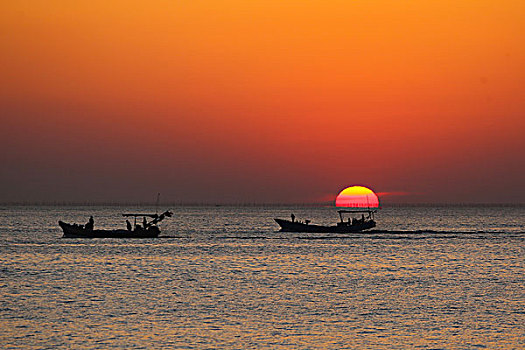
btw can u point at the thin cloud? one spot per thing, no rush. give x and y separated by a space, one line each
331 197
397 194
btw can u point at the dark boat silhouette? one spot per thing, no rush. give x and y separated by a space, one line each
146 230
349 226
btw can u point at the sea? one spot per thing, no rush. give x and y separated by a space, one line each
223 277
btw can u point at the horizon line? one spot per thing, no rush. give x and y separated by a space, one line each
251 204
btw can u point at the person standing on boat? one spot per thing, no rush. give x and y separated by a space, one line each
128 225
90 224
293 218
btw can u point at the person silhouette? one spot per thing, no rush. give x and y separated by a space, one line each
293 218
90 224
128 225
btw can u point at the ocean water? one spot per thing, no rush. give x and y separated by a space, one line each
224 278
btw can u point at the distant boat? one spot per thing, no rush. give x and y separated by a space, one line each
146 230
351 225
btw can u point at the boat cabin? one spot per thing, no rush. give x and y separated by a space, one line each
351 217
145 224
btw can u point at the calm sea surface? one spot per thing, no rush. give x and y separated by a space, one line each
224 278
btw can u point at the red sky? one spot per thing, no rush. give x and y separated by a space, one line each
262 101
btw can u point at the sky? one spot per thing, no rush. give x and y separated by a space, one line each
262 101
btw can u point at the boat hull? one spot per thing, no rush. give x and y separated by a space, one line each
289 226
76 231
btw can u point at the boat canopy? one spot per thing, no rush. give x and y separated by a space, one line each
156 217
369 211
358 210
145 215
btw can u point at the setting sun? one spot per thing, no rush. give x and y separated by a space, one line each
357 197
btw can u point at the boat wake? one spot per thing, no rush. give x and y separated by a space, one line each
371 234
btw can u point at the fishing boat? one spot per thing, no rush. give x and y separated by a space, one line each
350 225
148 229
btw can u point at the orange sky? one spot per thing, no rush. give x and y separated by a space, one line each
262 101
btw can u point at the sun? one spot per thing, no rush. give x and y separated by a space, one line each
357 197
